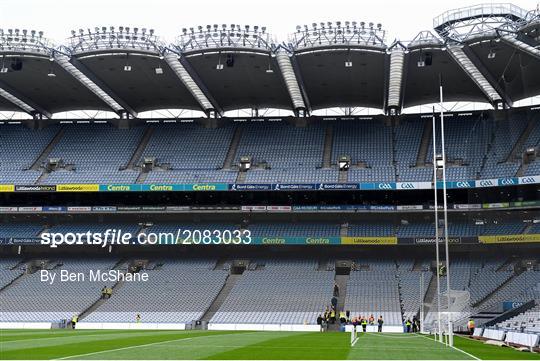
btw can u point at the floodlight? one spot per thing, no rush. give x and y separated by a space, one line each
51 74
492 54
159 70
348 64
219 66
3 70
127 67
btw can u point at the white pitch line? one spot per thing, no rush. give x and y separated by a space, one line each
137 346
455 348
124 348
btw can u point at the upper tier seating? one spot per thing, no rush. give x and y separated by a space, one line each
477 146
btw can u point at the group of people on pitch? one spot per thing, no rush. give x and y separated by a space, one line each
411 326
329 317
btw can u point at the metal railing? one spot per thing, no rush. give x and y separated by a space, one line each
338 34
224 36
504 9
25 41
111 38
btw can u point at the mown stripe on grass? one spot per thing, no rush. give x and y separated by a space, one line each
195 348
94 344
376 346
291 346
492 352
50 335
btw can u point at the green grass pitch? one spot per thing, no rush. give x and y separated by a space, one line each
169 345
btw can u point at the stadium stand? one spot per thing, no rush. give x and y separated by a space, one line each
97 153
19 148
528 321
278 292
31 300
375 291
170 294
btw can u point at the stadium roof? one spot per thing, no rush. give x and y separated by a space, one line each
486 53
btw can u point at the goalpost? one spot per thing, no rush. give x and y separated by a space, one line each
354 336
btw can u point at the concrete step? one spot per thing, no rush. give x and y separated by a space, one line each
220 298
517 148
118 285
136 156
241 177
14 282
233 148
48 149
424 144
343 177
328 144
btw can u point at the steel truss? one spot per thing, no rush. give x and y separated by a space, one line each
481 21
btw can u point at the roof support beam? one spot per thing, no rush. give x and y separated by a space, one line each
291 81
96 86
21 102
395 82
520 45
459 56
180 67
489 77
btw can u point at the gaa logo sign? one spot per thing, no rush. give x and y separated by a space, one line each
486 183
463 184
507 182
406 186
527 180
385 186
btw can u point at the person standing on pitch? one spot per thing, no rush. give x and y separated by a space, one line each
408 325
470 326
74 321
364 324
379 324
